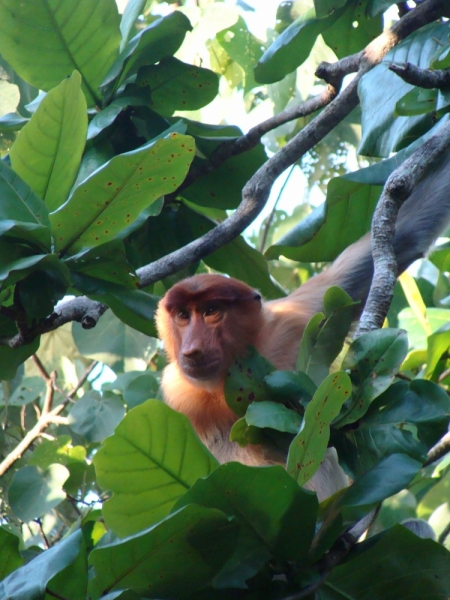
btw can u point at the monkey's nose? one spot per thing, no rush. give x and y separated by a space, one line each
193 353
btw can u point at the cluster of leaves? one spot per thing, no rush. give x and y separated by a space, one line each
103 179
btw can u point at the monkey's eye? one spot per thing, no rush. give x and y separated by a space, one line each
182 314
212 311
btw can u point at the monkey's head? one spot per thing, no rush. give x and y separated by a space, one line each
207 321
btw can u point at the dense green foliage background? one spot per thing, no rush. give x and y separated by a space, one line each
110 131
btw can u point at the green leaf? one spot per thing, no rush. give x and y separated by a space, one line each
48 150
141 388
59 450
36 236
107 262
382 131
12 122
12 358
293 46
245 382
273 415
309 447
407 418
373 361
114 196
82 35
388 477
196 541
437 344
325 334
264 499
72 581
243 48
133 9
152 459
16 270
175 85
29 390
417 102
34 492
222 188
20 204
360 30
288 386
10 559
111 340
397 565
96 416
161 38
244 434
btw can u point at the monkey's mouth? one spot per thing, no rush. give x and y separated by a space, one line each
204 370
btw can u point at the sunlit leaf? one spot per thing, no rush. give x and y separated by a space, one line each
152 459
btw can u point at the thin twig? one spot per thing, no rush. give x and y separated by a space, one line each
444 534
48 416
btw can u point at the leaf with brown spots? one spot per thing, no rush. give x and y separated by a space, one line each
245 382
114 196
308 449
373 361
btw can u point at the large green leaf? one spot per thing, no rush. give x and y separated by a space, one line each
309 447
174 85
96 415
33 492
266 499
152 459
293 46
396 565
114 196
45 40
325 334
407 418
48 150
373 360
161 38
382 131
172 559
10 559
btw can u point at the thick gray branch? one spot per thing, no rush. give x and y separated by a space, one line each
397 189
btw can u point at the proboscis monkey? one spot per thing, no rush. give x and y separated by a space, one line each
207 321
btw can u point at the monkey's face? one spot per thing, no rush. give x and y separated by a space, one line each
206 322
203 350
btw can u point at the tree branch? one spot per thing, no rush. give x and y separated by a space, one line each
397 189
439 450
424 78
47 417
